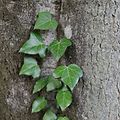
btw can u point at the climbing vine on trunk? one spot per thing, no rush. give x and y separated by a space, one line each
63 79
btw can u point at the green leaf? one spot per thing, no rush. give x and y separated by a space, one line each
30 67
69 74
63 118
34 45
40 84
53 83
64 99
45 21
39 104
58 48
49 115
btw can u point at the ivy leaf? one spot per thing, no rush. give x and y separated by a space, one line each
30 67
45 21
69 74
39 104
34 45
58 48
64 99
49 115
40 84
53 84
63 118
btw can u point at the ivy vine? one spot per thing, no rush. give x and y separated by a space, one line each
64 78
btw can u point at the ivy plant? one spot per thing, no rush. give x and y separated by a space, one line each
64 98
63 79
30 67
34 45
57 48
69 74
39 104
49 115
63 118
45 21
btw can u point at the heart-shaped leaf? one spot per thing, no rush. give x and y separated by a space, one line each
69 74
63 118
30 67
49 115
53 83
64 99
39 104
34 45
58 48
45 21
40 84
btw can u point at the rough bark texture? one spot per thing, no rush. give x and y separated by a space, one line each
96 35
16 19
95 26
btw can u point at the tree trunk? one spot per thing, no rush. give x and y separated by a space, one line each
96 37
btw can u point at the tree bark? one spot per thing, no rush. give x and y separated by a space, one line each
16 21
96 38
96 35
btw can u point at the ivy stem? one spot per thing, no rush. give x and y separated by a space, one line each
58 7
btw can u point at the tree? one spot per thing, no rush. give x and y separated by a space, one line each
95 34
